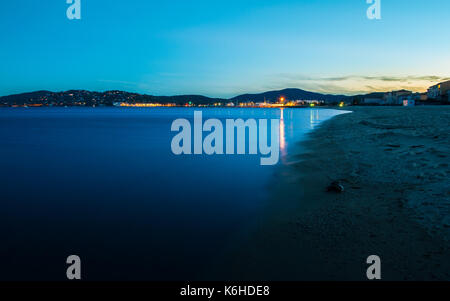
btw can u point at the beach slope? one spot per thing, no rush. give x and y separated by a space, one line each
393 165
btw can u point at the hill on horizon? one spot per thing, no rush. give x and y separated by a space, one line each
289 94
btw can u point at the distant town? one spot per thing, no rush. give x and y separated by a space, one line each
436 94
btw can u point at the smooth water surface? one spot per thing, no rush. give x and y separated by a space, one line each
102 183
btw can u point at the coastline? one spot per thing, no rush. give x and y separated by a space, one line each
392 164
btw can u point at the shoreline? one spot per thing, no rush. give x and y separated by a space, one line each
392 164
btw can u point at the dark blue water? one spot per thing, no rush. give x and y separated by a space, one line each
103 184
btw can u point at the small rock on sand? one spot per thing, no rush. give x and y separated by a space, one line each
336 186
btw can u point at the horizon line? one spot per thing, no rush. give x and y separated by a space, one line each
212 97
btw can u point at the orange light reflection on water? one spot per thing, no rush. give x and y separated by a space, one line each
282 135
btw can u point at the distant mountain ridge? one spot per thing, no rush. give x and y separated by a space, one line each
108 98
83 97
289 94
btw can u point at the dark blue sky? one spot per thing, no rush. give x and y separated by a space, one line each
223 48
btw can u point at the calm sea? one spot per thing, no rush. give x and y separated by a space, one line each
103 184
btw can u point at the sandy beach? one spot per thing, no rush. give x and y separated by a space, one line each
393 165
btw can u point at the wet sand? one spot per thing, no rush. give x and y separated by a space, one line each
393 164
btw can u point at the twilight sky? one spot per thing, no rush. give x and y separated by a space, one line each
223 48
